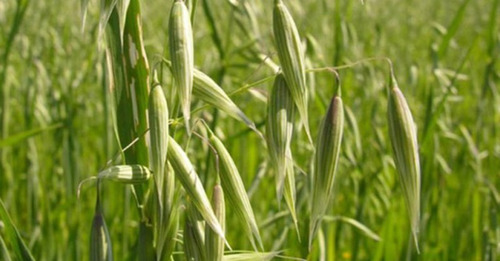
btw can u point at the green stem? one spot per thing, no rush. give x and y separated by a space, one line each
21 7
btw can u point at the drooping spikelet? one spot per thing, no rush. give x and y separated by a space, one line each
327 154
279 130
100 241
403 135
194 245
280 114
185 173
158 130
214 245
235 190
128 174
290 53
210 92
182 55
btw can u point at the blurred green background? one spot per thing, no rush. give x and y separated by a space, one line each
57 127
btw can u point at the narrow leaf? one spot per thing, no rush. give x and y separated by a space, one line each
12 235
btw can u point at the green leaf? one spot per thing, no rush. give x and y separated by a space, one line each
12 235
17 138
368 232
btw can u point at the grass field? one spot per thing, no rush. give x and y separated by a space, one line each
75 95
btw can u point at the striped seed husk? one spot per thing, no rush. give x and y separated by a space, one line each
194 245
182 55
128 174
210 92
158 130
290 193
280 114
214 245
169 219
290 54
403 136
279 126
235 190
327 154
100 241
185 173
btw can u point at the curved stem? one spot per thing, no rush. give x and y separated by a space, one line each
350 65
83 182
204 139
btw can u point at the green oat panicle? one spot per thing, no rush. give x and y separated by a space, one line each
207 90
185 173
290 54
279 130
235 190
327 154
214 245
403 136
128 174
182 55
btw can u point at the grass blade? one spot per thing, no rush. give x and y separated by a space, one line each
367 231
19 137
107 7
137 84
5 252
122 7
12 235
261 256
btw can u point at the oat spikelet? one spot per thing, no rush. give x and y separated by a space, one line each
214 245
185 173
182 55
290 53
327 154
158 130
235 190
403 136
128 174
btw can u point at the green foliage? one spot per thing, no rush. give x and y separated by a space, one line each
75 103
